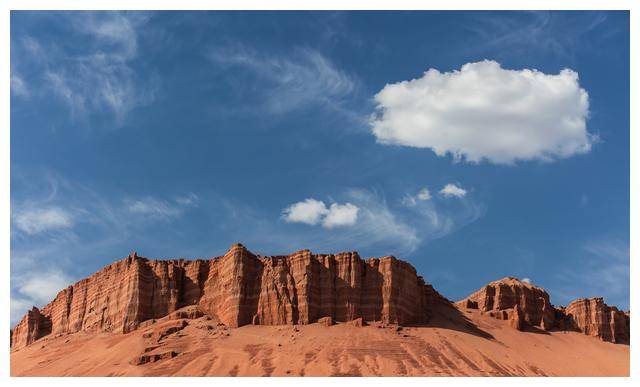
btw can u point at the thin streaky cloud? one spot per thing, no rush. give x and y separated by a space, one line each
295 81
99 79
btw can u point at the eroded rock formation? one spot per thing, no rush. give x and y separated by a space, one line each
514 300
238 288
593 317
241 288
524 304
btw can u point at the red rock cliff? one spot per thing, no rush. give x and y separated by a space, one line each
593 317
524 304
512 299
238 288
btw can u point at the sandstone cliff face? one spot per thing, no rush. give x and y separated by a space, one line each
238 288
32 326
301 288
523 304
593 317
115 299
514 300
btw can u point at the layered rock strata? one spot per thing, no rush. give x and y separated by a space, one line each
593 317
526 305
512 299
238 288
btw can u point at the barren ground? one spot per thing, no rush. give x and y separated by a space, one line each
449 346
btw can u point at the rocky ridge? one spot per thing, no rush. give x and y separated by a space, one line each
525 305
240 288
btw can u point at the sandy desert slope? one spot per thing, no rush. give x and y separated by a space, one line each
204 347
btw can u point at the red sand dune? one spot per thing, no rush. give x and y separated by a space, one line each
204 348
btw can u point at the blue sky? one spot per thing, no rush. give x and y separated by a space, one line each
178 134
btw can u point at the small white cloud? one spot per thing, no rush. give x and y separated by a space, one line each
485 112
37 220
340 215
309 211
450 190
380 225
424 194
313 212
526 280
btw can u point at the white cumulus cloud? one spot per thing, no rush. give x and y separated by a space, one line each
450 190
309 211
312 212
340 215
485 112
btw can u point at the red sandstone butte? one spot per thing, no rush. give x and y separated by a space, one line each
238 288
512 299
593 317
524 304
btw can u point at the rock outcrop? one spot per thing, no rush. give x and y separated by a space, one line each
238 288
593 317
523 304
32 326
241 288
513 300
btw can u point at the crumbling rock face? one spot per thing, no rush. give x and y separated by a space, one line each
115 299
33 326
523 304
511 299
593 317
237 289
303 287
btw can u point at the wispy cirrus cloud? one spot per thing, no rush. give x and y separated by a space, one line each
57 222
375 223
35 220
18 86
35 287
97 78
160 208
40 287
289 82
603 272
527 34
